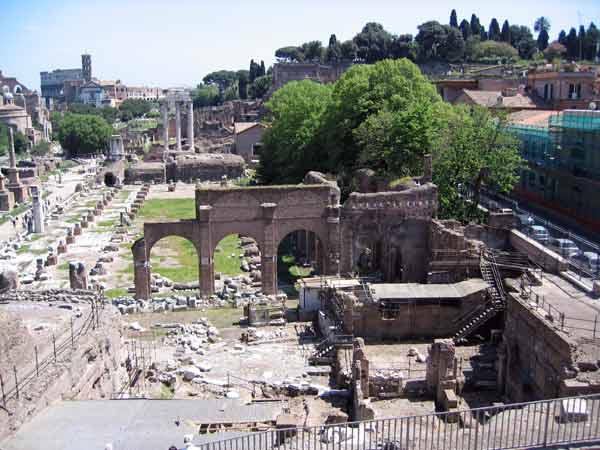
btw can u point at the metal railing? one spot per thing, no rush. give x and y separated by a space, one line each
539 424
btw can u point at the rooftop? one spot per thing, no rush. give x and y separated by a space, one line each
495 99
406 291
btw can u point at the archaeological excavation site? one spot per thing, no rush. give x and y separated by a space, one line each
150 295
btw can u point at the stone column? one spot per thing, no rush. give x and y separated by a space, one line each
38 215
11 149
178 124
141 270
165 119
268 260
333 257
190 125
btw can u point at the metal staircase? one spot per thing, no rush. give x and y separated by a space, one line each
496 298
324 350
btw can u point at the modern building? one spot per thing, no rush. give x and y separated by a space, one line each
575 88
92 93
144 92
562 151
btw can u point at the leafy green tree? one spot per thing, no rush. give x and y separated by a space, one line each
522 39
592 36
493 50
494 30
475 26
334 51
580 41
505 32
555 51
373 42
572 44
453 19
562 38
312 51
19 140
42 148
403 47
56 121
242 81
289 54
133 107
375 98
253 72
472 148
542 27
83 134
465 29
438 41
349 50
262 72
222 78
260 86
205 95
289 144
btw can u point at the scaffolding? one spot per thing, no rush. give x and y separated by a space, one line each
570 142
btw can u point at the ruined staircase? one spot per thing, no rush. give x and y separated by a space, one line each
496 298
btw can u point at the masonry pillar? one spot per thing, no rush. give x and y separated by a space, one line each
268 256
7 198
178 124
190 125
165 119
141 270
38 215
207 269
333 257
14 183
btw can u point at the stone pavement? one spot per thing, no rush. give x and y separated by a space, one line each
131 424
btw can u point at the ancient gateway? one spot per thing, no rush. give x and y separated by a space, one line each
389 228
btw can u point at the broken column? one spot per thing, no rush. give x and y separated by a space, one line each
7 198
14 184
190 126
62 248
78 278
70 236
77 229
441 373
178 124
38 215
165 120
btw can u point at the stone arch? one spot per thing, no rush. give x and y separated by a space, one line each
18 89
141 249
310 246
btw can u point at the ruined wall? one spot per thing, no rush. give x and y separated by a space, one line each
417 319
540 255
390 230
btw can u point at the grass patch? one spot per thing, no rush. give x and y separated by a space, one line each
185 266
223 261
124 195
115 292
107 223
15 212
219 317
27 249
63 266
176 208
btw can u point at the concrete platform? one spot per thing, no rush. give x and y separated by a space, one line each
132 424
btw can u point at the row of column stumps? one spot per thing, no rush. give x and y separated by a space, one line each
190 123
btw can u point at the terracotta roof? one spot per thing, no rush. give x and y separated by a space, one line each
495 99
536 117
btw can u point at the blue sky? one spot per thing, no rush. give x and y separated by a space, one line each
174 43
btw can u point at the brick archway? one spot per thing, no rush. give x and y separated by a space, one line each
154 232
266 214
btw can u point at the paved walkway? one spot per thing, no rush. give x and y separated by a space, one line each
55 191
131 424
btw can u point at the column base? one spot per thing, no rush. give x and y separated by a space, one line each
7 201
20 192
